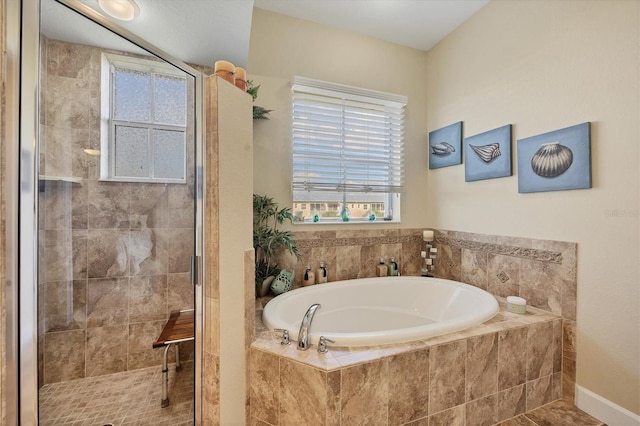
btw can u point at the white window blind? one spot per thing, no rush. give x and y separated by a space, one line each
346 139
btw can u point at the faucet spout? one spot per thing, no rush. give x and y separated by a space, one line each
303 334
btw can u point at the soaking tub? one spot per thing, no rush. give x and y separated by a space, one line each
379 311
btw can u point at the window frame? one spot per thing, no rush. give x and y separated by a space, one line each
108 122
335 91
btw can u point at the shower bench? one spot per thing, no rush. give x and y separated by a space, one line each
179 328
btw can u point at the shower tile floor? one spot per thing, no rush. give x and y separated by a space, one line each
127 398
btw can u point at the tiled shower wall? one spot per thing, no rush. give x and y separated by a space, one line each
114 257
541 271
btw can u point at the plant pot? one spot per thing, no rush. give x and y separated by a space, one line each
263 288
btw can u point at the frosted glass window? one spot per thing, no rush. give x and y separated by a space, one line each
132 95
168 154
170 96
144 121
132 152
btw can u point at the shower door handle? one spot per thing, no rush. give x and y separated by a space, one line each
195 264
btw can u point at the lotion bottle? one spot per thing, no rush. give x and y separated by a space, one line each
392 269
308 278
381 268
321 274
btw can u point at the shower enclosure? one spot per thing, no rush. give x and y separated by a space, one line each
117 200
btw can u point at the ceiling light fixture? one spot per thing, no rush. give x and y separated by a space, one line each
124 10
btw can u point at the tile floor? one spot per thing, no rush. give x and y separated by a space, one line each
127 398
557 413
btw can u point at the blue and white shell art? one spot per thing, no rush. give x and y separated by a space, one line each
487 153
442 148
551 160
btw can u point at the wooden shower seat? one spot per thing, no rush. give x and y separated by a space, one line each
179 328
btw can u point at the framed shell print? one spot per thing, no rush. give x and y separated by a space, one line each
445 146
555 161
488 155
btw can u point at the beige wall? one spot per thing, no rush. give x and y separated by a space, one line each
543 66
282 47
233 134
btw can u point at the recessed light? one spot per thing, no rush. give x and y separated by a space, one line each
124 10
92 151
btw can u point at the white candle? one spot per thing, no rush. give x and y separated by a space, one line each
433 249
423 254
427 235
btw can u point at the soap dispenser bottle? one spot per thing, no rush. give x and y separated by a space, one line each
381 268
321 274
308 278
392 269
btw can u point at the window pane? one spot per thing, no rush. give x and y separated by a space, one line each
132 95
132 152
168 154
170 100
328 205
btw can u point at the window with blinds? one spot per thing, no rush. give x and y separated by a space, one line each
348 152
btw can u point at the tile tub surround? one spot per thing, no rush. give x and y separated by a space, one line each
488 374
354 254
541 271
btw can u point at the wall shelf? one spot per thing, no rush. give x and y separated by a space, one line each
69 180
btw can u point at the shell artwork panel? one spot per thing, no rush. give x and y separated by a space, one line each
444 146
555 161
488 154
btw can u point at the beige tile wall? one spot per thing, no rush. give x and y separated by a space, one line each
354 254
479 376
543 272
3 78
211 362
114 257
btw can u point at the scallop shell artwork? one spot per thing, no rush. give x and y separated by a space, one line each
442 148
487 153
551 160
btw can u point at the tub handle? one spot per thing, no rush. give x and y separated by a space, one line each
285 336
322 344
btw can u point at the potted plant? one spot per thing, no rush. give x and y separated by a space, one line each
259 113
268 240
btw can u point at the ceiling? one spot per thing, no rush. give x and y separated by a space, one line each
415 23
203 31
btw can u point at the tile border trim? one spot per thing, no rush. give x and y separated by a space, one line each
514 251
363 241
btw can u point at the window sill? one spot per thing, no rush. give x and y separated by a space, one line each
133 180
351 222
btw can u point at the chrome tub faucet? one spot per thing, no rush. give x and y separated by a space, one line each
303 334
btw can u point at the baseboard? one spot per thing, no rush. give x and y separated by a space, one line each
604 410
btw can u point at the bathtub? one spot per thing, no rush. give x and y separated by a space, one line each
379 311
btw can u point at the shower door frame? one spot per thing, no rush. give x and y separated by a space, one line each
21 334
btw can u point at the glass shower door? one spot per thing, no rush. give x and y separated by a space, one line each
116 226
